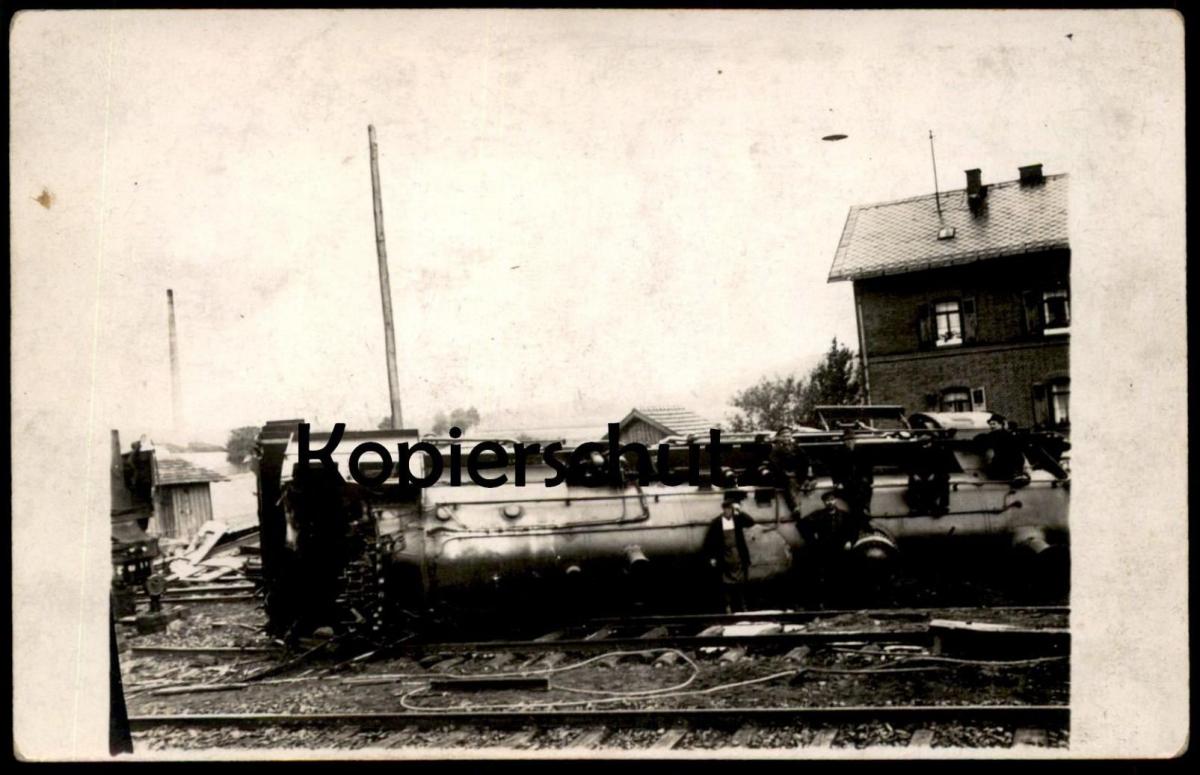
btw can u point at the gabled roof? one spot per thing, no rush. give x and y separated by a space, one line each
173 470
902 236
671 420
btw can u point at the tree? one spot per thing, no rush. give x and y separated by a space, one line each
836 380
462 418
769 404
778 401
240 447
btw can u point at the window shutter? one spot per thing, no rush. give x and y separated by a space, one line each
924 327
978 400
931 402
1033 312
968 320
1041 409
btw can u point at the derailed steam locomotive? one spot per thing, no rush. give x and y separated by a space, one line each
346 555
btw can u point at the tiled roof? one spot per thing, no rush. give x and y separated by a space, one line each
673 420
902 236
177 471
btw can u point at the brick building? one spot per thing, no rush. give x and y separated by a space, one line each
963 300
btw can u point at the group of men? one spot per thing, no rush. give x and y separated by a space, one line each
846 510
844 514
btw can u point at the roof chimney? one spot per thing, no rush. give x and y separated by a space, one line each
976 191
973 182
1031 175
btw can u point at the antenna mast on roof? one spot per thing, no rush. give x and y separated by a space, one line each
937 197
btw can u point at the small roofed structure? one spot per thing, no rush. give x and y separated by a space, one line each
183 500
652 425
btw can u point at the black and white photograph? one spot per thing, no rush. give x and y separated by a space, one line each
582 384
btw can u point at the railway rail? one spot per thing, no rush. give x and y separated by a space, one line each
506 693
648 729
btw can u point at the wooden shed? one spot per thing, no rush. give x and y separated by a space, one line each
652 425
182 498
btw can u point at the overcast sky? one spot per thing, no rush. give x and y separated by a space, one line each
584 212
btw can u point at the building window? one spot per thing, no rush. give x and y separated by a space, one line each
956 400
948 319
1056 311
1060 403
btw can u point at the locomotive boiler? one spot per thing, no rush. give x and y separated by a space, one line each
367 557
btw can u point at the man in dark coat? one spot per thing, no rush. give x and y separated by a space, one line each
853 473
1001 451
786 466
829 529
928 479
727 553
829 533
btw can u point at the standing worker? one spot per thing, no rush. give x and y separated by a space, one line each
727 553
829 533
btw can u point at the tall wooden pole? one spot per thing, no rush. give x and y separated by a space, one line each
176 382
385 286
937 197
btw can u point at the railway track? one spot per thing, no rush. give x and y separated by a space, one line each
507 693
674 729
762 630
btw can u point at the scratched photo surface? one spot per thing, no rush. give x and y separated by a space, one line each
332 332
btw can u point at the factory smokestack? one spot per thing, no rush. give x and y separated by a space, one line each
176 386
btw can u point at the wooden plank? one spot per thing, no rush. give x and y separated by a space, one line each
446 664
590 738
234 563
210 533
453 738
743 736
395 739
550 636
1029 736
655 632
551 659
213 575
734 654
922 738
798 654
669 739
519 739
600 634
199 688
194 587
501 659
712 632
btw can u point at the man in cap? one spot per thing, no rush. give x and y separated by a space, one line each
727 553
829 533
1001 451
